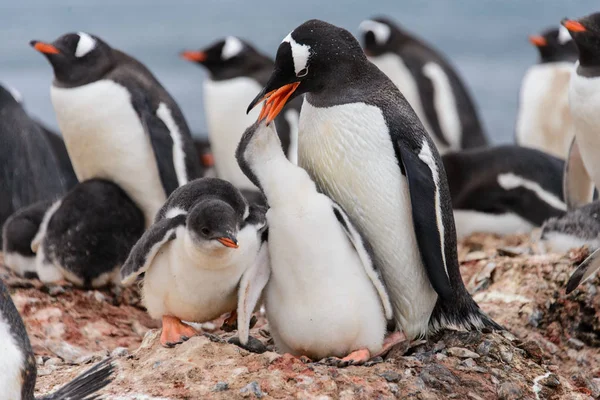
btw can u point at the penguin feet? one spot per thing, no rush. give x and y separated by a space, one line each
390 341
174 331
357 357
230 323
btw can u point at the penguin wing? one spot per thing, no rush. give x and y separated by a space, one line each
364 252
578 187
432 214
143 252
253 281
161 138
584 271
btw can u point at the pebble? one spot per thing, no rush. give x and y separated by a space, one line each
393 388
469 362
221 387
473 396
99 297
390 376
119 352
575 344
484 347
462 352
509 391
506 355
239 371
551 381
251 388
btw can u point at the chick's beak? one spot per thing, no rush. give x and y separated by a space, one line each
229 241
573 26
45 48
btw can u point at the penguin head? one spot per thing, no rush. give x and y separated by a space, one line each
77 58
314 57
586 35
228 58
381 35
213 223
555 45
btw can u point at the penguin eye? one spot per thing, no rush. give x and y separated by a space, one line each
302 72
205 231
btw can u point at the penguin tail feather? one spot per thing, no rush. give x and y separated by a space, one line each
461 316
86 384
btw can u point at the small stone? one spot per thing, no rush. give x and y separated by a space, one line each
535 318
551 381
221 387
39 360
575 344
55 290
393 388
390 376
439 346
533 350
509 391
469 363
53 361
461 352
239 371
473 396
272 356
251 388
156 364
506 355
99 297
119 352
440 356
484 348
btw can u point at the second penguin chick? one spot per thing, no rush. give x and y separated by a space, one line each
324 297
577 228
204 242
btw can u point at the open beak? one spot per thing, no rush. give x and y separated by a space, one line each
228 242
275 100
45 48
195 56
537 40
573 26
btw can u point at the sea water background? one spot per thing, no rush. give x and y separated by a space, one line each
485 40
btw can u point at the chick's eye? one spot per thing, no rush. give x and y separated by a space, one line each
302 72
205 231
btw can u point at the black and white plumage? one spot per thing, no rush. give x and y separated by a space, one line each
431 85
544 119
363 145
86 236
503 189
18 369
237 71
204 240
117 120
29 169
324 297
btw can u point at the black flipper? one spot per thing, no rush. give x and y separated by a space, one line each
584 271
578 187
85 385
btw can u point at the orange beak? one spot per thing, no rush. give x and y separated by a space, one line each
275 101
196 56
228 242
44 48
537 40
573 26
208 160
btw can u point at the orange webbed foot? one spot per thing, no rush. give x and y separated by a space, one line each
174 331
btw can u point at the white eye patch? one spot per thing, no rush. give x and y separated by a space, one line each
563 35
381 31
85 45
232 47
300 53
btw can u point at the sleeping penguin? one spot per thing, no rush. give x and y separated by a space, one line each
18 369
204 247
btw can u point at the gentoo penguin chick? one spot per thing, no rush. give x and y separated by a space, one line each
365 148
18 369
205 240
237 71
117 121
324 297
577 228
86 236
504 189
29 169
582 171
544 119
431 85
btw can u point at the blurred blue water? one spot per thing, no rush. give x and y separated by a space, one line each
486 40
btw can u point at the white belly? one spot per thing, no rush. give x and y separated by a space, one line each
194 286
348 151
584 98
11 363
395 69
319 299
544 121
225 104
469 222
105 139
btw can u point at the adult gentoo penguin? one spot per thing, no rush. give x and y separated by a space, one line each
322 300
427 80
503 189
117 120
364 147
544 119
18 370
205 241
237 71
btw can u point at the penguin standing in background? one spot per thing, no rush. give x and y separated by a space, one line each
61 154
29 169
503 189
205 247
237 71
544 119
117 121
18 369
431 85
365 148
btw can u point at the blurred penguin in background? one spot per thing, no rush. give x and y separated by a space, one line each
544 119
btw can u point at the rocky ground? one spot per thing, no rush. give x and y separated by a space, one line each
551 349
